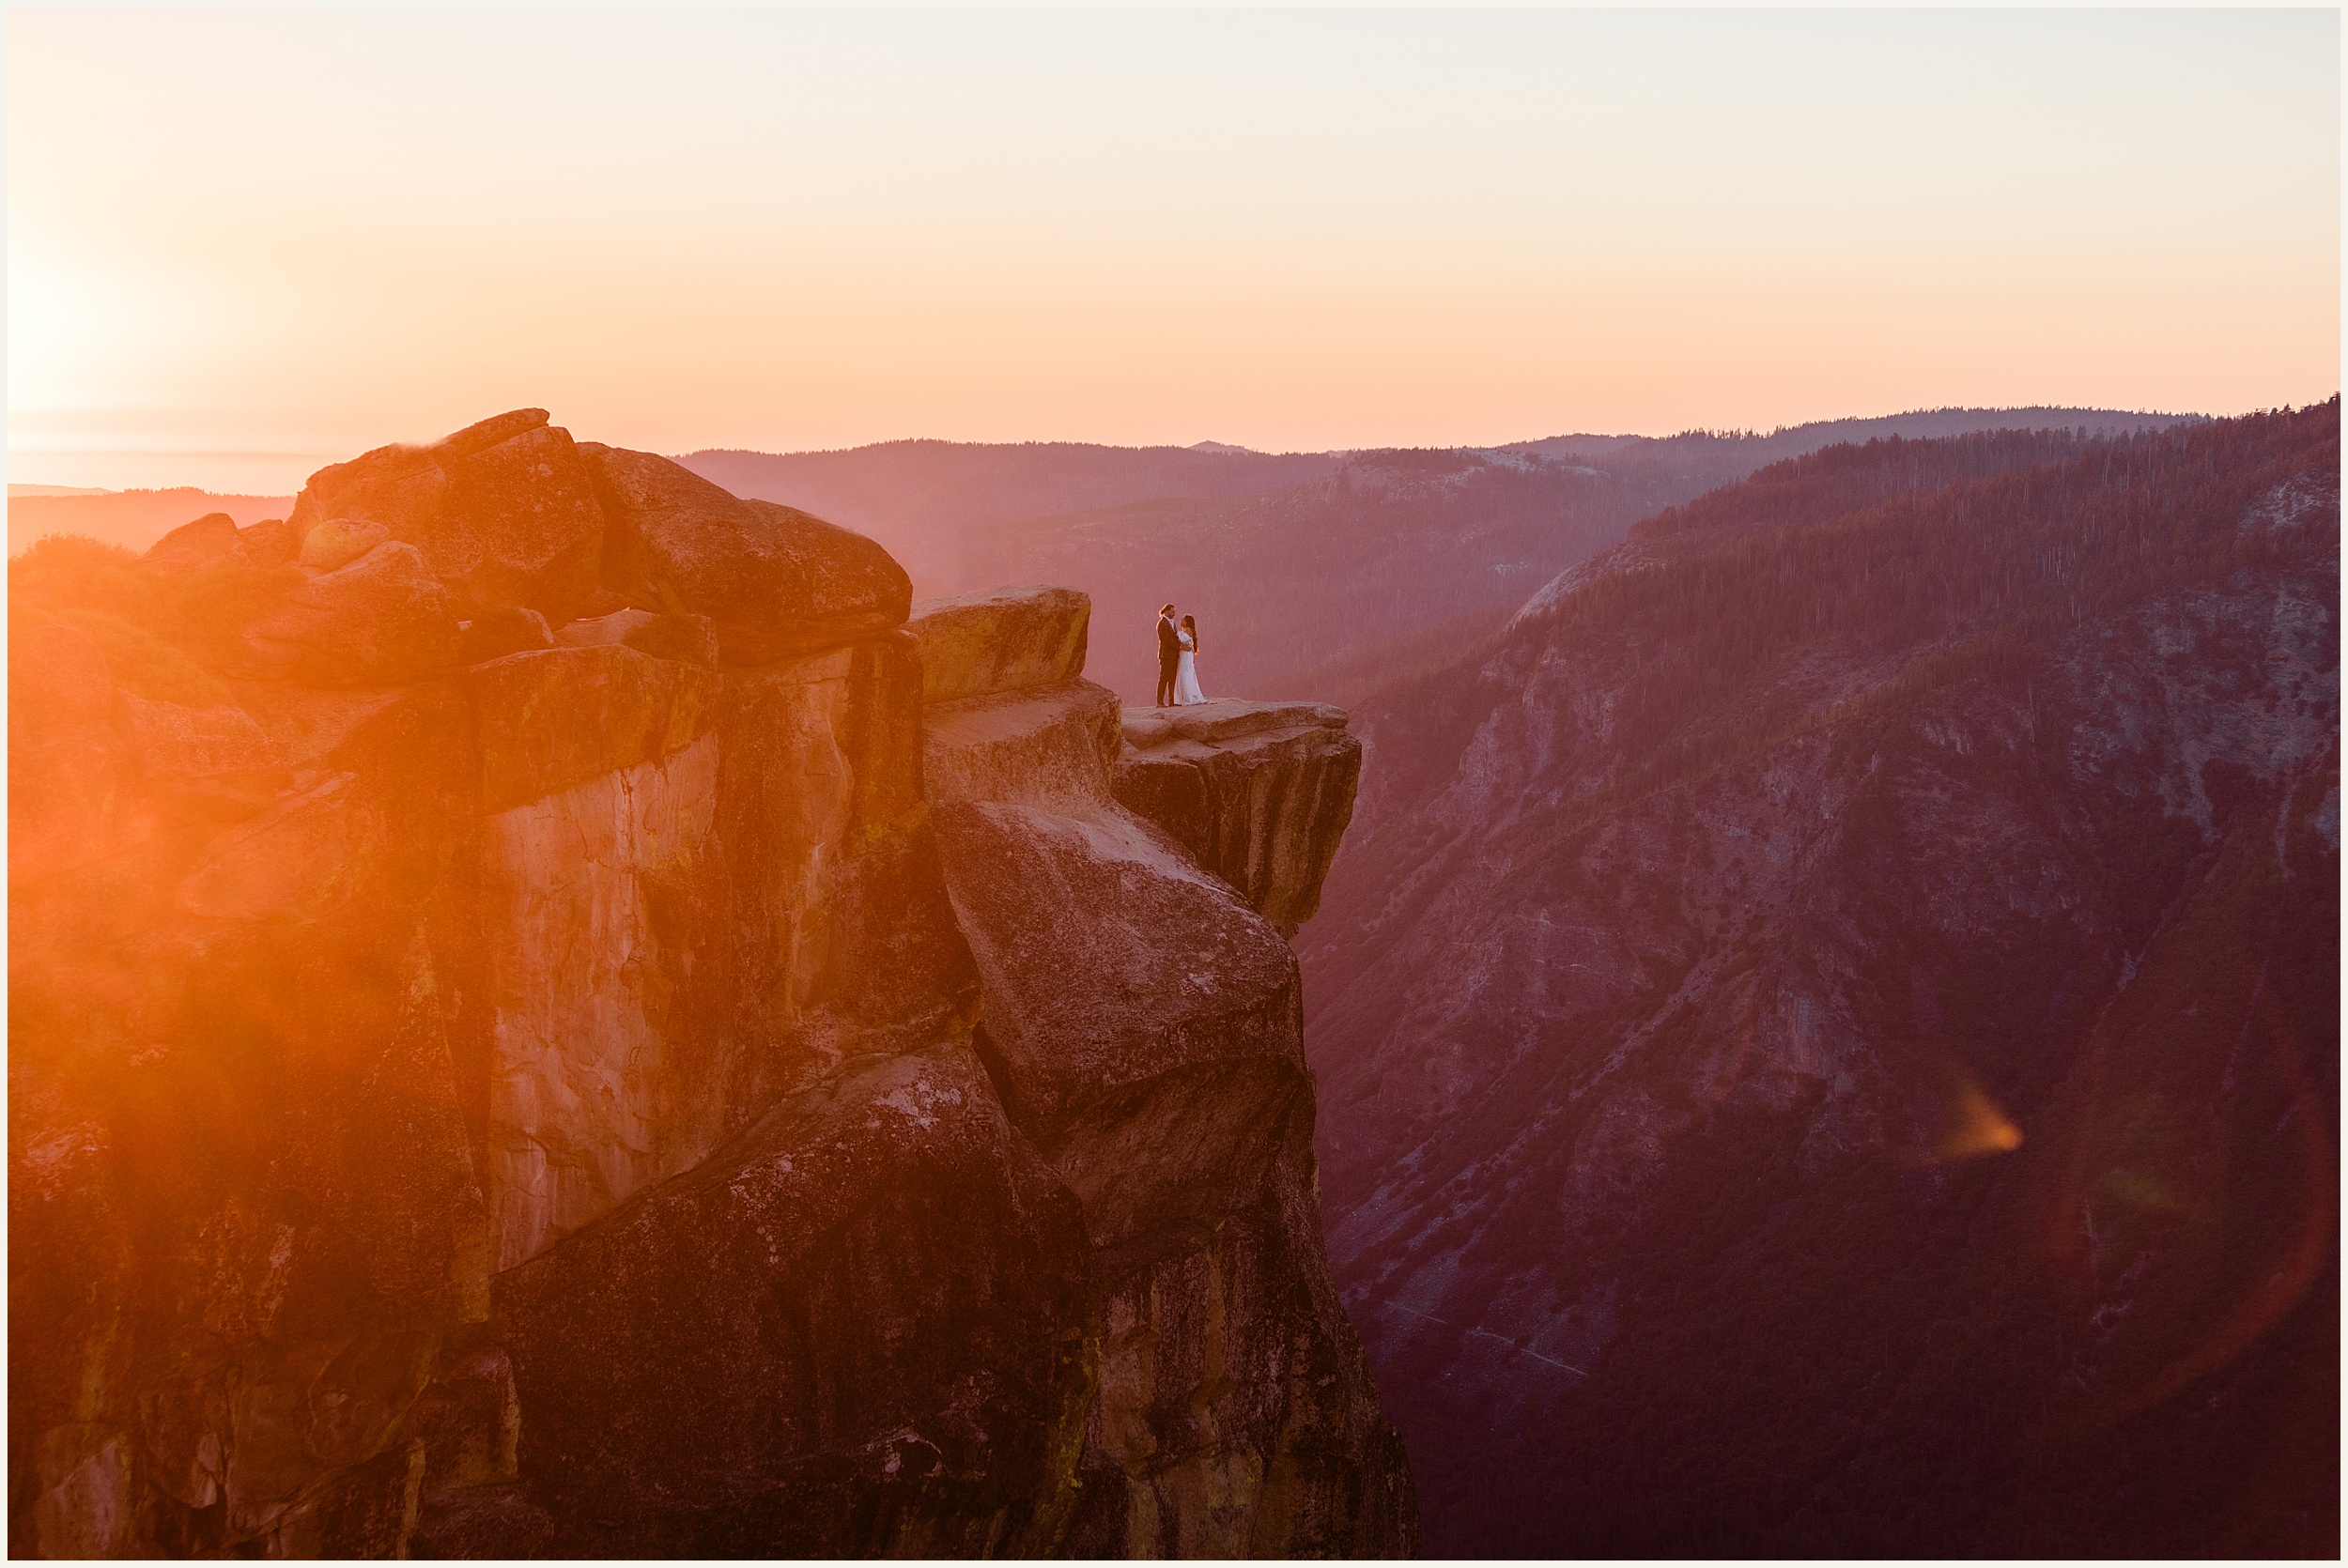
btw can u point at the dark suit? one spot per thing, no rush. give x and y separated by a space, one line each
1170 656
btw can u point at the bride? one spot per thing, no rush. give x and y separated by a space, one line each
1186 671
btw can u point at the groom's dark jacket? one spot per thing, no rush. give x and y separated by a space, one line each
1169 644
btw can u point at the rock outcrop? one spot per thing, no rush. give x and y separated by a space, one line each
503 513
1259 792
1011 639
495 1071
1143 1028
774 580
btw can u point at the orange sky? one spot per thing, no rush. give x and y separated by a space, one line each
244 243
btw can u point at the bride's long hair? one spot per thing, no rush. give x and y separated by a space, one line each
1190 624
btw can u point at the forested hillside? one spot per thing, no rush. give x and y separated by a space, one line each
1828 1020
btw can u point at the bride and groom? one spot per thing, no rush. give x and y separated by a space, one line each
1177 660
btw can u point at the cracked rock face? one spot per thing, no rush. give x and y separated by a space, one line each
846 1333
525 1092
1259 792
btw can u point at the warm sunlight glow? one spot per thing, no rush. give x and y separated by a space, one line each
243 244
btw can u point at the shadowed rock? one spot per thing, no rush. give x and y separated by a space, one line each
1258 791
847 1333
269 542
692 638
561 716
211 760
772 579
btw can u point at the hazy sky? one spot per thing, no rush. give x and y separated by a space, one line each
244 243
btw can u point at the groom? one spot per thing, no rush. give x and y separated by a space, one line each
1169 654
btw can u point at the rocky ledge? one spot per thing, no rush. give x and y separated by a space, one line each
1259 792
548 1019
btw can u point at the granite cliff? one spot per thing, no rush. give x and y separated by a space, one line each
555 1011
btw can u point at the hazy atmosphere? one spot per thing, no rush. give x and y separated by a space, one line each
1102 784
243 243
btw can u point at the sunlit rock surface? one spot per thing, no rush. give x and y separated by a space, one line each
774 580
376 619
1011 639
526 1092
503 513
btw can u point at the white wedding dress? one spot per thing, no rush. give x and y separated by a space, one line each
1186 674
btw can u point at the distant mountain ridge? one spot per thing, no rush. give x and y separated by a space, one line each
915 497
1362 566
1915 424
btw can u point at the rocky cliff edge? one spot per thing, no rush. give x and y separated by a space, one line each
549 1019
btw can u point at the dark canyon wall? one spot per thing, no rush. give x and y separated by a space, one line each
1829 1023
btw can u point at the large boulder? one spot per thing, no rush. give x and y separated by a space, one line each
1145 1024
773 580
1009 639
194 546
503 513
1259 792
336 542
853 1331
268 542
1051 747
380 620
